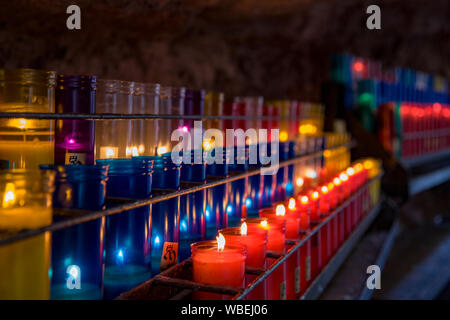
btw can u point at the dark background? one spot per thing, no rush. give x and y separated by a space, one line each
277 48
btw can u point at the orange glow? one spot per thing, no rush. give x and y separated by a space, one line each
368 164
358 167
337 181
304 200
315 195
324 189
350 171
358 66
264 224
330 186
299 182
343 177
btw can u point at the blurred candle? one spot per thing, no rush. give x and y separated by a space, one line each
215 262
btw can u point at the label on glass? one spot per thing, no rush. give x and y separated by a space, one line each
75 158
308 268
283 290
169 255
297 280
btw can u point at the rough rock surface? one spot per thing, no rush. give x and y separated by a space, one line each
276 48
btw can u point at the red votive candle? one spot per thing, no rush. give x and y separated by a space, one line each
305 249
215 263
255 240
348 208
276 239
340 215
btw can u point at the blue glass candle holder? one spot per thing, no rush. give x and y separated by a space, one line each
216 209
165 214
192 206
218 169
128 234
77 257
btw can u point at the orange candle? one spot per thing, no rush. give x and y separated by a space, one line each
215 263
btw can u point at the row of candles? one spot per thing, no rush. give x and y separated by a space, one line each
418 128
223 261
107 256
27 143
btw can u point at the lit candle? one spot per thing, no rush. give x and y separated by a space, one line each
276 239
25 203
255 240
215 263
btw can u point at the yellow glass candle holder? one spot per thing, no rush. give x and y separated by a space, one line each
25 203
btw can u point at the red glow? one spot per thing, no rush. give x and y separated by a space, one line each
437 107
358 66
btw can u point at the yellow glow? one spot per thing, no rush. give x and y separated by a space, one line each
283 136
337 181
299 182
207 144
291 204
311 174
243 229
280 210
327 153
304 200
324 189
350 171
108 152
330 186
131 151
141 149
358 167
220 242
264 224
161 150
9 197
368 164
343 177
315 195
18 123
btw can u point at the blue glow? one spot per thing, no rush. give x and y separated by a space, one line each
289 187
229 209
157 241
207 213
183 226
248 202
120 256
50 273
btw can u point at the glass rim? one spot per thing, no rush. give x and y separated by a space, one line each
28 75
212 244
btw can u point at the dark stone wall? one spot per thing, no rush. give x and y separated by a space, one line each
275 48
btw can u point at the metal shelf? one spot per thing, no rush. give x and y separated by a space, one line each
409 163
427 181
82 216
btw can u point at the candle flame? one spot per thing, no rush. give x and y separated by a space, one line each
264 224
243 229
350 171
291 204
304 200
358 167
315 195
330 186
9 197
280 210
220 242
368 164
283 136
207 144
299 182
337 181
311 174
324 189
343 177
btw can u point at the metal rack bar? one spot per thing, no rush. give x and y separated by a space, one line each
111 116
78 218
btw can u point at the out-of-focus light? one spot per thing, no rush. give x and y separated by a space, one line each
324 189
141 149
350 171
207 144
315 195
311 174
71 141
243 229
358 167
289 187
291 204
183 226
337 181
299 182
229 209
157 241
280 210
283 136
343 177
161 150
304 200
264 224
330 186
358 66
248 202
10 196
